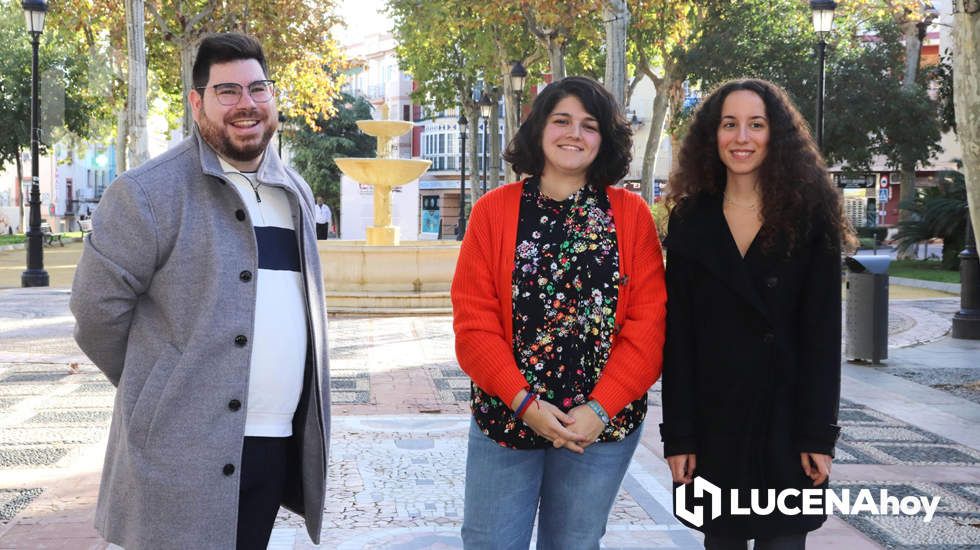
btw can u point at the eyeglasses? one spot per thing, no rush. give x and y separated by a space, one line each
230 93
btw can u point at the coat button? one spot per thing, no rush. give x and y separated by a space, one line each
768 338
240 215
245 276
234 404
241 340
228 469
771 282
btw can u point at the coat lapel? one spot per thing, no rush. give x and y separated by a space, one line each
705 238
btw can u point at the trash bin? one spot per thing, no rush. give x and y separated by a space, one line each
866 324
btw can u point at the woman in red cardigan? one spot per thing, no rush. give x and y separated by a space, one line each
558 310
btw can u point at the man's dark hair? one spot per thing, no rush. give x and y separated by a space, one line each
615 151
222 48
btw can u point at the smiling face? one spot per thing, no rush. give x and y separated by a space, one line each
743 134
241 132
570 140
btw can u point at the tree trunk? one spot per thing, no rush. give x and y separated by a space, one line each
556 57
551 38
966 98
617 18
136 108
511 116
187 51
661 102
913 52
122 135
493 176
907 172
473 113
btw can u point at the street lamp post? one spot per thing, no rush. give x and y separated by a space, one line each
35 275
462 175
823 22
966 321
485 107
518 75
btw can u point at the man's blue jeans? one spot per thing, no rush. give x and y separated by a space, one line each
504 488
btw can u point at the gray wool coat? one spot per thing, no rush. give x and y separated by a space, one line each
164 308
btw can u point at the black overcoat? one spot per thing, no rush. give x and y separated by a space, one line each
751 374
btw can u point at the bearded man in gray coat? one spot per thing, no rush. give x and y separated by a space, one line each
199 295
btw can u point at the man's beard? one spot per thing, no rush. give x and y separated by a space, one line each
219 139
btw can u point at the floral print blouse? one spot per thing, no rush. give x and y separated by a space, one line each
565 286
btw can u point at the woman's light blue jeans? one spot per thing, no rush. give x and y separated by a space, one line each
505 487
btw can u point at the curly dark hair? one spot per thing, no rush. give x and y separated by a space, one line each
612 162
795 186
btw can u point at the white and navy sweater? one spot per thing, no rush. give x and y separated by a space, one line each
279 338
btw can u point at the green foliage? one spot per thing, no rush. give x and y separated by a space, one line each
867 242
12 239
877 232
339 136
937 212
447 64
295 34
942 76
924 270
660 216
772 40
866 110
870 113
71 104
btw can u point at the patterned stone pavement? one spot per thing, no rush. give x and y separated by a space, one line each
399 441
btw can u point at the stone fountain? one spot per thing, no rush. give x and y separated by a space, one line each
383 173
385 274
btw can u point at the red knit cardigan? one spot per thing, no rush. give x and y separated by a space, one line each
481 297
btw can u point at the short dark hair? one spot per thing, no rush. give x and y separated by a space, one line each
222 48
612 162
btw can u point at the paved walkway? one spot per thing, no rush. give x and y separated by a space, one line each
399 431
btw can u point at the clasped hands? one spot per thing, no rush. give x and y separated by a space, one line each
816 466
574 430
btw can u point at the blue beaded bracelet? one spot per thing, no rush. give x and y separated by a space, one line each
600 412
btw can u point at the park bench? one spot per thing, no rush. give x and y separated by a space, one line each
49 236
85 226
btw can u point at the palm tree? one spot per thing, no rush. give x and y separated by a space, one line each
937 212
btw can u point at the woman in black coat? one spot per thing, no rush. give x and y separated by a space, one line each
751 376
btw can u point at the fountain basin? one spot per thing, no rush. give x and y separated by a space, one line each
384 128
413 277
383 172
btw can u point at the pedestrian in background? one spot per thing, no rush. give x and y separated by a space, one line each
199 295
558 310
751 377
324 219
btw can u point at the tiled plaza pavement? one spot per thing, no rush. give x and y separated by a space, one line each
399 440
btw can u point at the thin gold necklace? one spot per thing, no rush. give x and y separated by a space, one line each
753 206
